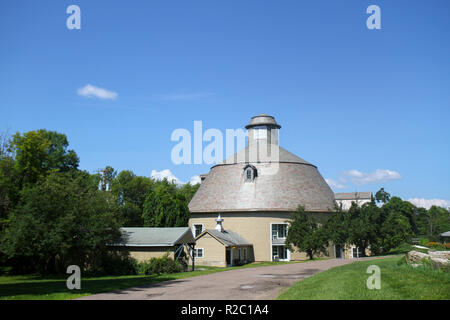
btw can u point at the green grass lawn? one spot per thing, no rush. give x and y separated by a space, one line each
31 287
349 282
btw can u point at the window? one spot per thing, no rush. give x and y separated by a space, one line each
198 229
250 173
245 255
260 132
279 253
198 253
279 231
357 252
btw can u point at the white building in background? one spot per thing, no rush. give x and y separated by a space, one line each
346 198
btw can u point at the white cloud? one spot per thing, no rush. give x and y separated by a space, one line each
90 91
335 184
195 180
427 203
378 176
167 174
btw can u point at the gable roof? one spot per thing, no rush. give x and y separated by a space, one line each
155 237
227 238
353 196
445 234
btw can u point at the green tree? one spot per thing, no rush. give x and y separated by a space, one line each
363 225
305 234
395 230
61 220
131 191
165 206
107 175
188 190
337 227
432 222
382 196
9 187
37 153
405 208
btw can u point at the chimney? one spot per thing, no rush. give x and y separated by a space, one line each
219 226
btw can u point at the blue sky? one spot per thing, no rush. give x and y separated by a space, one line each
350 100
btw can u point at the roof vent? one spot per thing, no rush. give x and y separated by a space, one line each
219 226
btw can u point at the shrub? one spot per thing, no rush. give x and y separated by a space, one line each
115 263
160 265
402 248
438 245
423 241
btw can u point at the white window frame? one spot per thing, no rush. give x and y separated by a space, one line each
288 258
358 253
193 228
277 237
196 253
278 246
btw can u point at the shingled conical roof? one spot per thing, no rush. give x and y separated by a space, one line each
282 181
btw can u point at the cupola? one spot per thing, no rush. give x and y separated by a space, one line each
262 129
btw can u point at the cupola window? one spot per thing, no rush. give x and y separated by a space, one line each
260 132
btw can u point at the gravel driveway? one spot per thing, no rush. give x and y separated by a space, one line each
259 283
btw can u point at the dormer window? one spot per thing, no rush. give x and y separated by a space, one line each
250 173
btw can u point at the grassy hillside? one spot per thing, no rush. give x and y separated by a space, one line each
349 282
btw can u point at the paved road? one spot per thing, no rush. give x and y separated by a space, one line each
260 283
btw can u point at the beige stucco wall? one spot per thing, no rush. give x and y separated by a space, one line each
214 252
348 251
145 253
254 227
